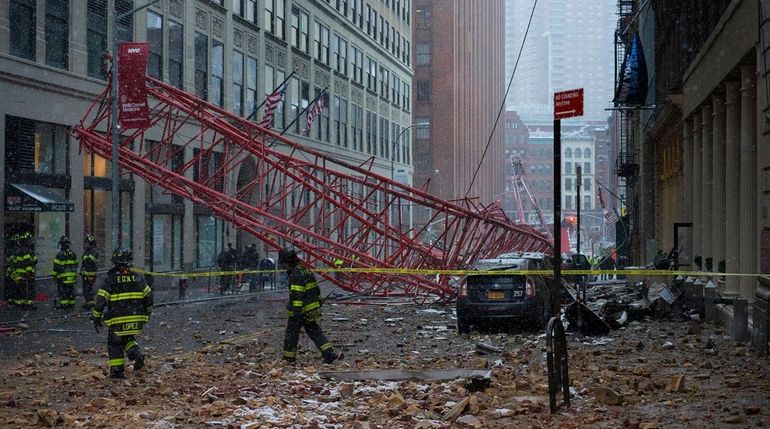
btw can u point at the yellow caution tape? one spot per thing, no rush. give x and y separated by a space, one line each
430 272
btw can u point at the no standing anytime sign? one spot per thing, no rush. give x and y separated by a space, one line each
567 104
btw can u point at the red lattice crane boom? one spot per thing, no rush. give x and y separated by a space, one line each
290 193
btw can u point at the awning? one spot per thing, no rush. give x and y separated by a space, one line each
34 198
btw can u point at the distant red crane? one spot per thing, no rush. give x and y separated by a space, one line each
289 194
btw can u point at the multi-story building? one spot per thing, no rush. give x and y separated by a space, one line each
569 45
231 53
459 87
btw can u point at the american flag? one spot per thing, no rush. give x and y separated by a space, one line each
271 104
609 216
312 113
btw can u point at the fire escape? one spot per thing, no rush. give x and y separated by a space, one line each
288 194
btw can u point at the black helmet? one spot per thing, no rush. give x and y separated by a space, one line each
90 238
64 241
122 256
288 256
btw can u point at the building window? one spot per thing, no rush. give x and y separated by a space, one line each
322 130
340 122
371 74
208 233
357 122
384 82
125 25
568 202
163 239
96 37
568 184
57 33
587 185
395 88
384 137
405 95
292 94
321 42
371 133
275 17
201 65
155 38
578 153
568 167
587 202
423 54
423 131
176 54
340 49
568 153
357 65
238 83
251 87
23 26
299 29
374 25
381 38
586 168
587 153
245 9
368 20
217 72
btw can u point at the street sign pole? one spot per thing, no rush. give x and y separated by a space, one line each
566 104
579 171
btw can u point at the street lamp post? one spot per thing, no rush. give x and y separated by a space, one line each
116 227
396 142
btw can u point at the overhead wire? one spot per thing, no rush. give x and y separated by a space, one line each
502 105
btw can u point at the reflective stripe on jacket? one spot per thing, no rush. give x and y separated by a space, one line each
124 302
304 294
65 267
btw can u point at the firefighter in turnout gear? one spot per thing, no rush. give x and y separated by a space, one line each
124 303
65 272
21 270
304 308
88 267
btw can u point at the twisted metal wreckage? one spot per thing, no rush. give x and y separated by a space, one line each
289 193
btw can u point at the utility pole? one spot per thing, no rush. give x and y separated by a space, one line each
579 180
116 226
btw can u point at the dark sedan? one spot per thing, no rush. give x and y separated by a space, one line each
495 298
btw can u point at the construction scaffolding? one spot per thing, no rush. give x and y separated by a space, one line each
287 194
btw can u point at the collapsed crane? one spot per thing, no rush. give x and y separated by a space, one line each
291 194
524 197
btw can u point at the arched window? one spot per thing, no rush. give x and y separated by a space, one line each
577 153
568 153
587 153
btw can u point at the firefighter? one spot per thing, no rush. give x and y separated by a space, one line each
124 302
88 267
22 262
12 278
250 261
227 261
304 309
65 272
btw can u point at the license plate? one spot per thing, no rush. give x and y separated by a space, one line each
496 294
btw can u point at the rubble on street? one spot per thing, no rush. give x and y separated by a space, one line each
647 373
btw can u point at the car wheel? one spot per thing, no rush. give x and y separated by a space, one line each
463 325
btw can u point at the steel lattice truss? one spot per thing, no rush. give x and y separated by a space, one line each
285 193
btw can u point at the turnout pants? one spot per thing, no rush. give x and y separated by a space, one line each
23 291
66 293
88 289
116 346
313 330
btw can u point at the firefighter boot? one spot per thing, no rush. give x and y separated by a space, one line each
136 355
139 362
330 356
117 372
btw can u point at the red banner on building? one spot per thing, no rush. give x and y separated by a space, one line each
132 85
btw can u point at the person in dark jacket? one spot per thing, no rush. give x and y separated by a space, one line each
250 261
21 270
227 261
123 304
88 267
65 271
304 309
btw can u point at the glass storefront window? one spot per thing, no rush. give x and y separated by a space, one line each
97 220
209 232
49 227
95 165
51 148
163 242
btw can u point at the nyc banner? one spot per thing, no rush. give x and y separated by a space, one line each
633 83
133 110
